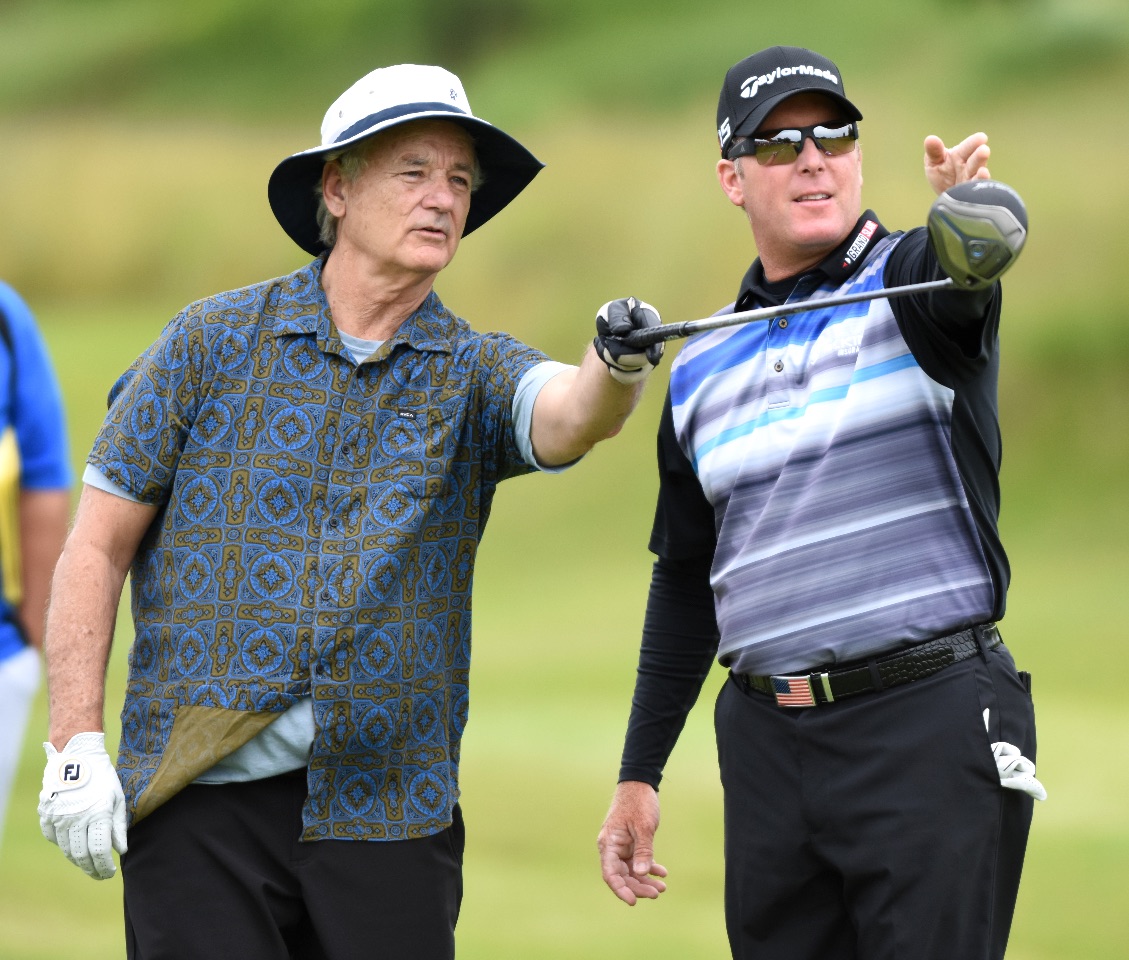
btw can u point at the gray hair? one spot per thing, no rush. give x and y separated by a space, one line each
352 162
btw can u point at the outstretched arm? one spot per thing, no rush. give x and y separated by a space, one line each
584 405
577 409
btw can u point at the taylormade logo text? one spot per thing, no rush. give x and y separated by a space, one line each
750 87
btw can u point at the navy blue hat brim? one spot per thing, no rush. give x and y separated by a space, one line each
507 169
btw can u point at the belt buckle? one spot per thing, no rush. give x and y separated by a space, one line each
793 691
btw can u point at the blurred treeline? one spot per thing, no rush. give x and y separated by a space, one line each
136 138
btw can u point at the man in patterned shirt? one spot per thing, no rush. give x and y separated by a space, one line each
297 475
826 529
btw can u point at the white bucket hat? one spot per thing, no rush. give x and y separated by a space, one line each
379 101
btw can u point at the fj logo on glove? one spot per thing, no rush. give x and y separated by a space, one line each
70 774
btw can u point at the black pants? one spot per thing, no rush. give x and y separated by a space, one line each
875 828
218 871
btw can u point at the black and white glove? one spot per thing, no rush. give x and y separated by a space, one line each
617 318
82 807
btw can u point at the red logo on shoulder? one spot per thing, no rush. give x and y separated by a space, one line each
860 243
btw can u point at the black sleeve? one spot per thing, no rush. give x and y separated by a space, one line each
680 634
952 333
680 640
684 520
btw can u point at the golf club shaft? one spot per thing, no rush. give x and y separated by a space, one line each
674 331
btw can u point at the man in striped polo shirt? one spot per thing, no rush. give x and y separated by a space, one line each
827 528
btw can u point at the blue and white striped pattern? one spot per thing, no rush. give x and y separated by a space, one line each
843 527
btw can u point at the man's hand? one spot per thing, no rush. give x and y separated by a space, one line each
946 168
626 844
81 806
618 318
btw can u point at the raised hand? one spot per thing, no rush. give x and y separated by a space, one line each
947 166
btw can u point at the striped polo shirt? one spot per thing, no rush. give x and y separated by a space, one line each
844 525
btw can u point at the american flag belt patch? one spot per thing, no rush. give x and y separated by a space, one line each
796 691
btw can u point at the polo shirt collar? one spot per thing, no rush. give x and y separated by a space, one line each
836 267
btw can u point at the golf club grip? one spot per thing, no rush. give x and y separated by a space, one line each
649 335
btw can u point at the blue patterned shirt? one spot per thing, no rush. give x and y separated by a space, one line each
317 531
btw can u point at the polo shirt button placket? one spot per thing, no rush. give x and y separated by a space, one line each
776 343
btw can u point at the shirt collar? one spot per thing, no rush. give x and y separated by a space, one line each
837 266
297 304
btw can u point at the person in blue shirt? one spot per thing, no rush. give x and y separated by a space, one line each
35 481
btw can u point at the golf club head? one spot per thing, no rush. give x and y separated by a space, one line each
977 228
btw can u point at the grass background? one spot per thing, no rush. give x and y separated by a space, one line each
135 143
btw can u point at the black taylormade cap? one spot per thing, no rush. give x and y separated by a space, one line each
758 83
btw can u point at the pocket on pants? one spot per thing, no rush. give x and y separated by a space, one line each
1005 692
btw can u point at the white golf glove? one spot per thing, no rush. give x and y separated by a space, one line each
81 806
1016 771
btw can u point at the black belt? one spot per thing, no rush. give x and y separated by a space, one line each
820 687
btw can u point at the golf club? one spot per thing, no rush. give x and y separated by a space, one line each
977 229
674 331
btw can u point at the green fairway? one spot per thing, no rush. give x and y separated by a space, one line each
133 181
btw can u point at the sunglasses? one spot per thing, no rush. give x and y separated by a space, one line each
784 146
